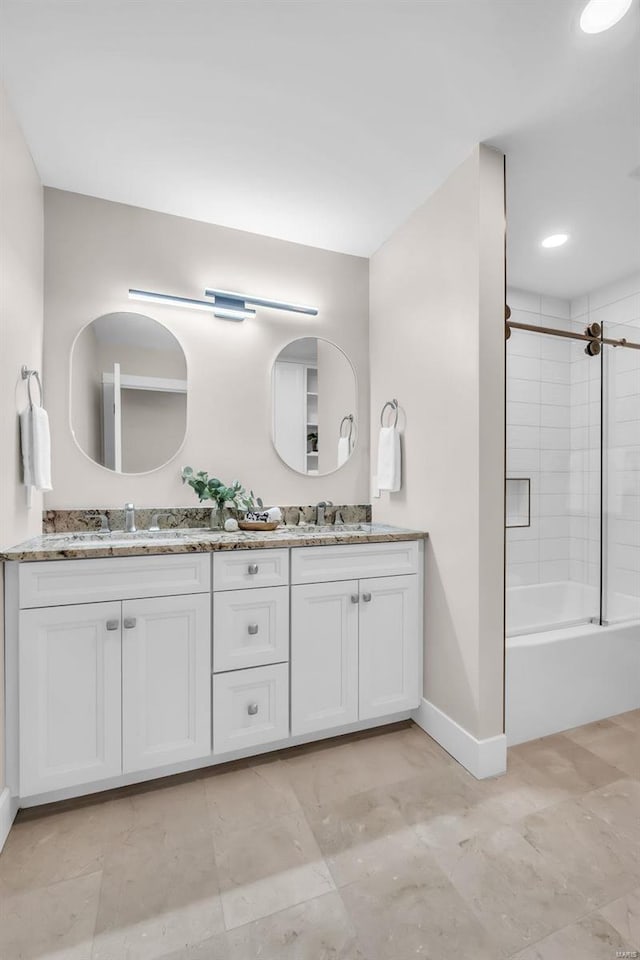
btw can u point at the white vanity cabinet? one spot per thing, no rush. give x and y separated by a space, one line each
112 687
355 643
121 669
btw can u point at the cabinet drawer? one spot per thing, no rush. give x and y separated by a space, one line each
51 583
239 569
250 628
354 561
250 707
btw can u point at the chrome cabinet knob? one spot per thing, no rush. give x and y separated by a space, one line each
253 629
252 709
129 623
355 598
366 597
113 624
253 568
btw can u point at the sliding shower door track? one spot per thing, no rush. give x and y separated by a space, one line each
569 335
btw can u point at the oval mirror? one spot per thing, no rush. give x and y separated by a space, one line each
314 397
128 392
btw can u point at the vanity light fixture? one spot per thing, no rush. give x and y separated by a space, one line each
555 240
600 15
240 301
229 311
223 303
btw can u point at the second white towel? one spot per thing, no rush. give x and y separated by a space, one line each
389 475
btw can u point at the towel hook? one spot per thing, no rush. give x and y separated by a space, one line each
394 406
27 375
349 420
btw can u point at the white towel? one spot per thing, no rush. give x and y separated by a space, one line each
36 448
344 450
389 475
275 514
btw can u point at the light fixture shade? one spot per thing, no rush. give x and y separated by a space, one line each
241 299
600 15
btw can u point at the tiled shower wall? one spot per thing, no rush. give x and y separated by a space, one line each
553 437
539 439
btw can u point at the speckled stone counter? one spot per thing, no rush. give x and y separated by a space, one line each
65 546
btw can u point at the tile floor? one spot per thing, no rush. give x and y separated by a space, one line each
376 847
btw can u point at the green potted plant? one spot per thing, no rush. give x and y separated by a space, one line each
226 497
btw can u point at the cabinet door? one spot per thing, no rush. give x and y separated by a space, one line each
324 656
70 699
166 680
389 645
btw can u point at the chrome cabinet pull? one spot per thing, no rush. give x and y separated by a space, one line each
253 629
129 623
252 709
253 568
366 597
113 624
355 598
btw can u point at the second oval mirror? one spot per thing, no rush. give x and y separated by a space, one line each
314 397
128 392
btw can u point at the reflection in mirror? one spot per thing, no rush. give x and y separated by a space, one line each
128 392
314 396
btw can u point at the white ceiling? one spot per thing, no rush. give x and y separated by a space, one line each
328 122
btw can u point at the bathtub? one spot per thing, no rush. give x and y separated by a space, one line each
558 679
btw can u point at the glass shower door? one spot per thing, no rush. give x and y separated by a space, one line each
621 467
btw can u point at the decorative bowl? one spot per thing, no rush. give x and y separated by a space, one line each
258 524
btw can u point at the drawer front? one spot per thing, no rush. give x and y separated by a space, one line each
250 628
51 583
240 569
354 561
250 707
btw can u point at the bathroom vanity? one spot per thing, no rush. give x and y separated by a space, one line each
129 659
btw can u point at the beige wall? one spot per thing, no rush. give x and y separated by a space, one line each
437 344
21 249
96 250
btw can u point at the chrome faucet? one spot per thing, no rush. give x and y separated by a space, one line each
130 518
320 514
154 526
104 521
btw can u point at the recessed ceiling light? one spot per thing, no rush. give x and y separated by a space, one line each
599 15
556 240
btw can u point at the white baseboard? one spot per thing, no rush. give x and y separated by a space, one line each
482 758
8 810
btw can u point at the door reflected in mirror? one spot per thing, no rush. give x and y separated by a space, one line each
314 398
128 392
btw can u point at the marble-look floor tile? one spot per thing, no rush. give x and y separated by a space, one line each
50 923
592 938
563 765
319 929
595 860
160 886
246 797
60 845
411 910
511 887
631 720
618 746
618 804
624 915
269 868
362 835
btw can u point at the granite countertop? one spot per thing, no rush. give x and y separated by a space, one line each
65 546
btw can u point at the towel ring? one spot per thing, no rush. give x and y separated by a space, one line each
348 420
394 406
28 375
